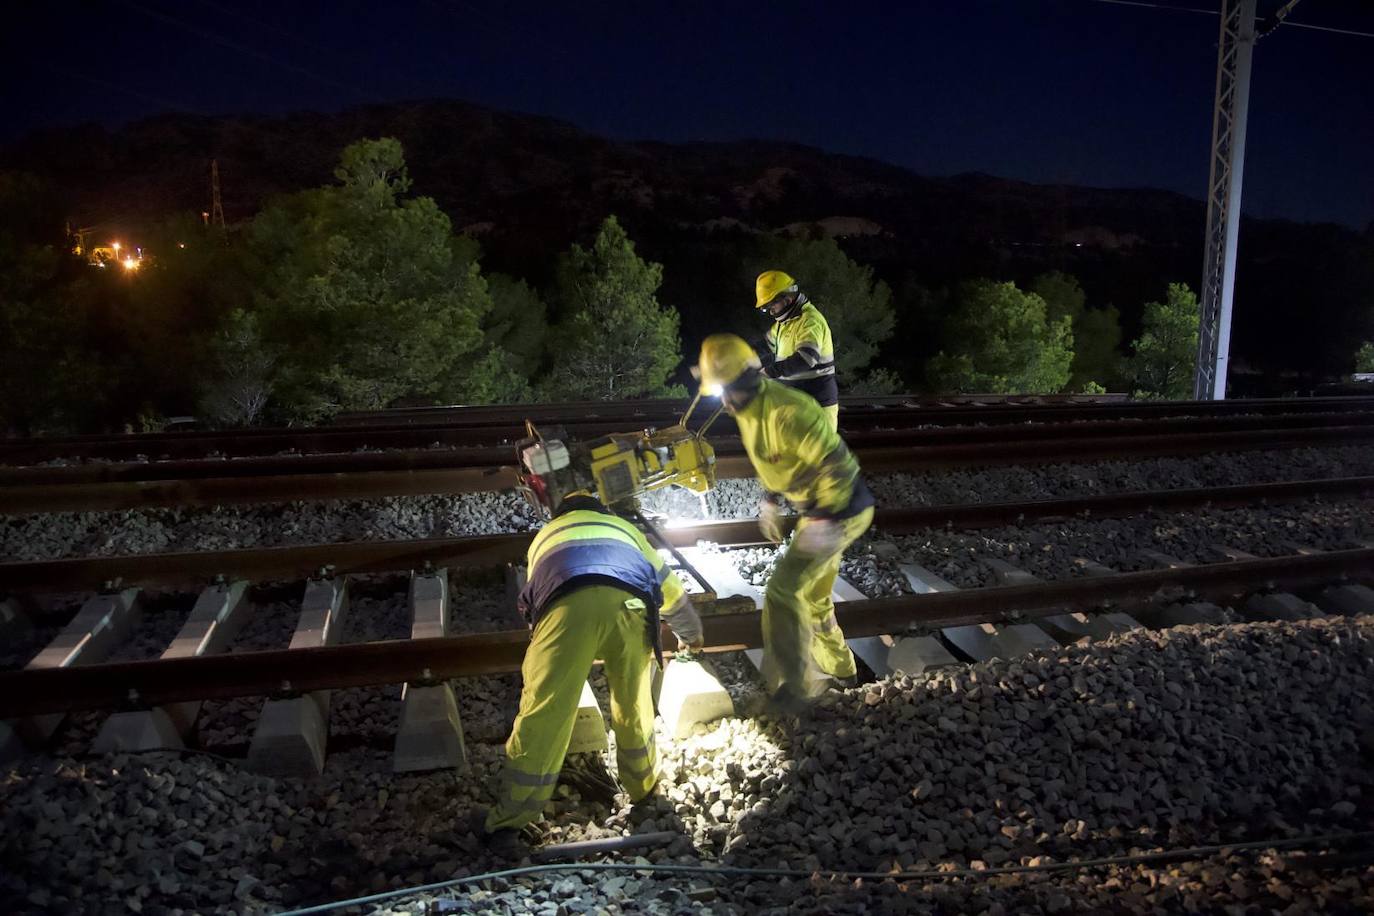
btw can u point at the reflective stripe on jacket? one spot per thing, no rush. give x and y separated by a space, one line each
796 453
584 547
804 346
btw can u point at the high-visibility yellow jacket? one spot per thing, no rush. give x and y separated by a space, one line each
797 454
597 547
804 355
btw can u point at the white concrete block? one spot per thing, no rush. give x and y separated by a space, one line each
103 622
218 614
986 641
915 655
138 730
431 734
589 728
290 738
691 696
292 733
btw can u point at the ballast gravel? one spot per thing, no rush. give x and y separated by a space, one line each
62 534
1148 740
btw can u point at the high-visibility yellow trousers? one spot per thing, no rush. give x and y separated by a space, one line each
833 412
597 621
800 633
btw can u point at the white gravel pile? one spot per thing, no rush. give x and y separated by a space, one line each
1175 738
50 536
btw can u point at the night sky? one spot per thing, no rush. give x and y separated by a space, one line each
1074 91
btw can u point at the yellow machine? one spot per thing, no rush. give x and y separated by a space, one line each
617 468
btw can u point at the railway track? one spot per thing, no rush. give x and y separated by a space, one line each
465 427
1109 740
98 487
71 676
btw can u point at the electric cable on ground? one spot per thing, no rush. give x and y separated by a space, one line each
1194 852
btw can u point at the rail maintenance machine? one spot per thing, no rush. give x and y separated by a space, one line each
620 468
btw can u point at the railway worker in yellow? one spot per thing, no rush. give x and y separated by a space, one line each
799 456
595 590
802 355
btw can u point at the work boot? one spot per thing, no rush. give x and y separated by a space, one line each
786 702
507 843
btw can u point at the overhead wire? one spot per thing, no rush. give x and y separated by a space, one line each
1327 28
1160 6
1280 18
233 45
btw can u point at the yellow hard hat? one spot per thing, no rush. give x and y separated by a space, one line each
771 284
724 358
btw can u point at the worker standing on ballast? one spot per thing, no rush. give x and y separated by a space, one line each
595 590
799 456
801 354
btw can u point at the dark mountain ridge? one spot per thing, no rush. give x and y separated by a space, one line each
527 186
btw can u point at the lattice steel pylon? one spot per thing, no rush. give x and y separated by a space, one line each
1235 49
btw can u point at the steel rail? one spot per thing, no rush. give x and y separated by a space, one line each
466 426
469 471
934 404
363 557
723 434
423 661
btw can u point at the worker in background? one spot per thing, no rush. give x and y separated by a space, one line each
802 355
595 590
799 456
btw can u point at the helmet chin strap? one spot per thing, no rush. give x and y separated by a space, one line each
791 311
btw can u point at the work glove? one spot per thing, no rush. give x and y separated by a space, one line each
770 520
690 648
818 537
773 369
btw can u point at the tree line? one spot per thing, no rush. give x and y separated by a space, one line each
360 295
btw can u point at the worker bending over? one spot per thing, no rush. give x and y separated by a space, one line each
802 354
595 590
797 455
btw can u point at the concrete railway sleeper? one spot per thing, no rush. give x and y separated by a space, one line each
918 632
1100 804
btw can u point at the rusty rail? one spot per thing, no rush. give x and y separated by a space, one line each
361 557
470 426
147 683
371 475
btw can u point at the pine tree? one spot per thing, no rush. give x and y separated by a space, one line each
364 293
612 339
1166 351
1096 331
1000 340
